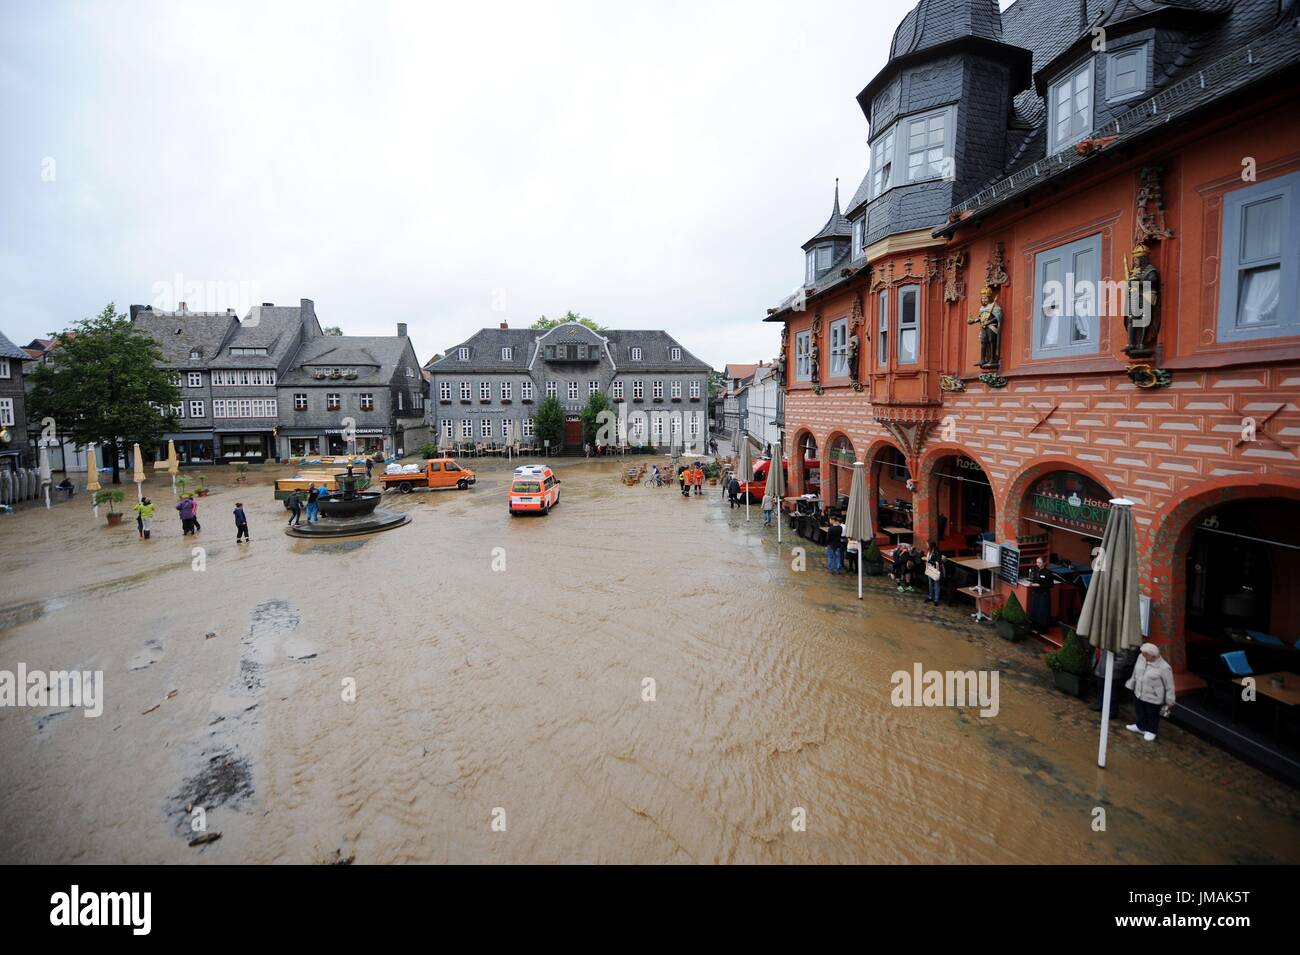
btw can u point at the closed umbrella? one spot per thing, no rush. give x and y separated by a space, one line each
138 475
1111 617
746 470
92 478
44 471
776 487
173 463
857 522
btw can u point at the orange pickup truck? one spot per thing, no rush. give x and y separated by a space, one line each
438 472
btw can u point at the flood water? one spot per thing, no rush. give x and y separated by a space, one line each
515 694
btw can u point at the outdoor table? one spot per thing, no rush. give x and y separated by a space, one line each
979 591
1288 694
897 532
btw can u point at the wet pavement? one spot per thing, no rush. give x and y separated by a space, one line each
405 696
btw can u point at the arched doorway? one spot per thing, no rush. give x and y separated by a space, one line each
961 502
890 479
805 472
838 473
1224 558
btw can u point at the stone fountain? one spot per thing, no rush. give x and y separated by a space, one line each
349 512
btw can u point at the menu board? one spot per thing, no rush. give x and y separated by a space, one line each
1010 570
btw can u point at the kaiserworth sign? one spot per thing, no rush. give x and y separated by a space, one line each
1069 500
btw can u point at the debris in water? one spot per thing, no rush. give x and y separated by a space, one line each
209 635
204 839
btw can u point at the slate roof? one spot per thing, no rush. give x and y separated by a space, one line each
654 347
836 227
273 327
177 333
384 351
9 350
485 351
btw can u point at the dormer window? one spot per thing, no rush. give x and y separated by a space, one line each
507 353
636 354
882 164
859 235
927 145
195 354
675 354
462 354
1069 104
1126 73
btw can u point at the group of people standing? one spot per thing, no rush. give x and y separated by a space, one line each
691 476
911 566
296 501
187 507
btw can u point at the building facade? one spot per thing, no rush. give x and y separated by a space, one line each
14 450
481 388
1070 274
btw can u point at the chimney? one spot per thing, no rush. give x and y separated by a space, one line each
182 308
401 329
265 305
505 324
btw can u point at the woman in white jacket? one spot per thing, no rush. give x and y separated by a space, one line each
1152 684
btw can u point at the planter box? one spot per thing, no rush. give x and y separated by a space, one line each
873 570
114 519
1070 683
1009 631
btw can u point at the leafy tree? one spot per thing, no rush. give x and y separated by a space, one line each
332 330
716 383
545 323
104 385
549 422
591 416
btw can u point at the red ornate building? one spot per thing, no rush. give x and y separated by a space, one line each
1030 153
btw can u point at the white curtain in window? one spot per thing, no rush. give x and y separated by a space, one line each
1260 291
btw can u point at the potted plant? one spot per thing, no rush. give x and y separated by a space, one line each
1011 621
430 451
201 485
1071 665
111 496
873 564
241 473
183 485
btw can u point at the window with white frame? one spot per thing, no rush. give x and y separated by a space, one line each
527 429
219 407
803 356
573 390
176 411
1126 73
485 391
464 391
675 354
448 428
194 354
616 390
444 390
526 390
927 145
695 424
638 391
333 401
839 348
462 354
368 400
194 379
1069 108
507 392
636 354
658 390
176 379
695 389
859 235
593 387
485 427
401 402
245 407
506 353
675 389
196 409
552 389
417 399
467 427
882 164
882 330
1260 265
1066 281
248 351
6 412
909 324
300 401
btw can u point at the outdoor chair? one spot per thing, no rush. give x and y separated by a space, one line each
1236 662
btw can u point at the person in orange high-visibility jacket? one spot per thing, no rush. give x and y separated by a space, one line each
697 478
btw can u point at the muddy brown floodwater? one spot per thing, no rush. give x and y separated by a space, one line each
515 694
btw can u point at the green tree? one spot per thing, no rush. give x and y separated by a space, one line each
545 323
549 422
716 381
104 385
332 330
591 416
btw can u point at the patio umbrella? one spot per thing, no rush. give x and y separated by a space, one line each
776 488
857 522
44 472
138 471
746 470
92 478
173 463
1111 618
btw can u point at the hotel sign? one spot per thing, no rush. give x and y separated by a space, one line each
1069 500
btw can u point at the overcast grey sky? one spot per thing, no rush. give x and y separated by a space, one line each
651 165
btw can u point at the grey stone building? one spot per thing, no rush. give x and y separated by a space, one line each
14 449
341 385
500 375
